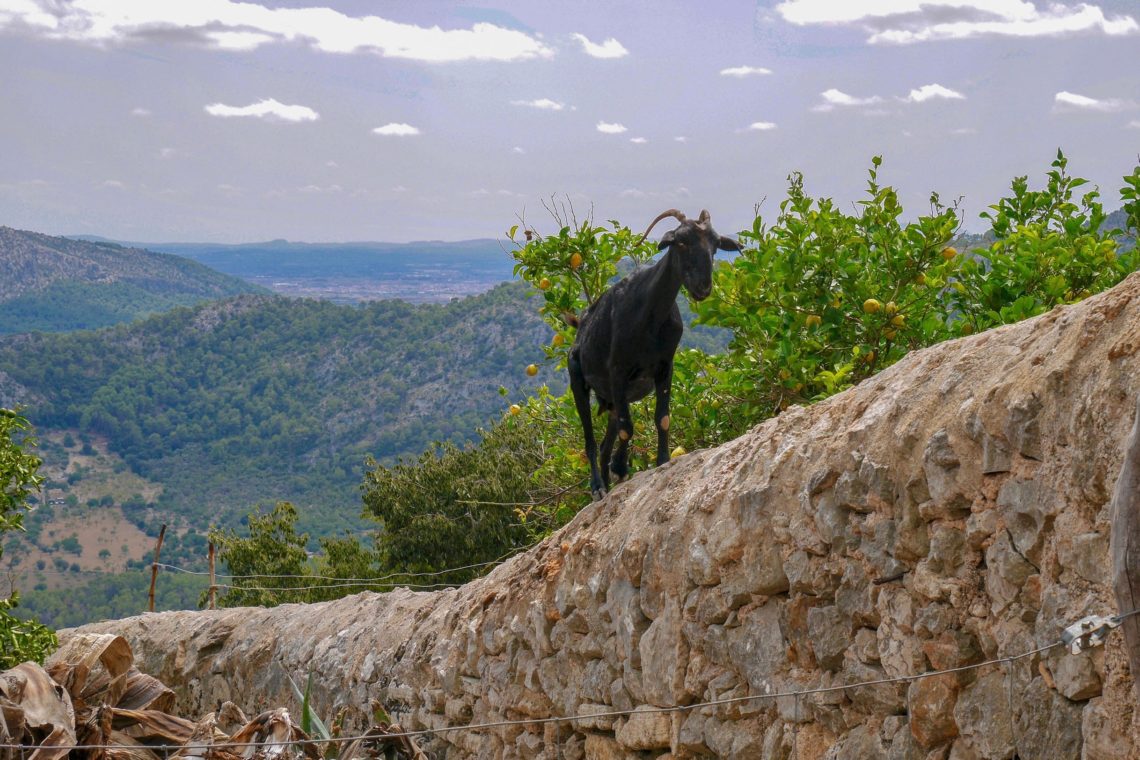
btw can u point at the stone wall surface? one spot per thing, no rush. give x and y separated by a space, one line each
951 510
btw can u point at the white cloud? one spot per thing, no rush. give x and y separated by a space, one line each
909 21
113 184
399 189
744 71
1134 124
396 129
761 126
319 190
332 164
632 192
542 104
930 91
140 112
265 109
166 152
242 26
518 150
611 48
638 140
964 131
834 98
680 139
606 127
1070 100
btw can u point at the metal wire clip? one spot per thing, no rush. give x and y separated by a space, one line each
1088 632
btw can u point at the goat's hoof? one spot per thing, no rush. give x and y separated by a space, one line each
598 494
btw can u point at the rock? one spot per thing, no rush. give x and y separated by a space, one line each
932 701
879 546
1076 677
861 743
952 649
1006 572
1052 727
664 658
1023 429
866 646
645 729
996 456
830 633
946 549
1086 555
1103 736
942 466
757 646
982 715
979 527
599 747
1026 506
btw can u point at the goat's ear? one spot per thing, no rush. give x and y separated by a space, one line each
667 240
727 244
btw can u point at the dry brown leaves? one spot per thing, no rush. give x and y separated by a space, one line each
91 703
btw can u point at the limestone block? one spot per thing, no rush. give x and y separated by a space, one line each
1048 725
645 729
982 715
932 705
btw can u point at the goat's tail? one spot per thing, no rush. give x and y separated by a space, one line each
570 318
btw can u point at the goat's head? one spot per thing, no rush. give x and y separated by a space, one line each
693 243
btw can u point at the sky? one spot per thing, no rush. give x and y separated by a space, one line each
323 121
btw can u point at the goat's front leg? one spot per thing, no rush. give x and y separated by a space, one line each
607 449
663 385
581 393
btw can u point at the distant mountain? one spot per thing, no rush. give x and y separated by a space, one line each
261 398
421 272
54 284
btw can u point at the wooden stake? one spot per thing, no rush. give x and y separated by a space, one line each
213 588
154 566
1124 545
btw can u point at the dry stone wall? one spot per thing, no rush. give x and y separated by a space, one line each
952 510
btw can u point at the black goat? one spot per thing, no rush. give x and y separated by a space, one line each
627 338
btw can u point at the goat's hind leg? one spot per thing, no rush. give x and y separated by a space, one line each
607 450
581 393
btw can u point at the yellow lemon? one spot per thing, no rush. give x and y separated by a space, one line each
544 284
576 261
515 409
871 305
532 369
949 252
813 320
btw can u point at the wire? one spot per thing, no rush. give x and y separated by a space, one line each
370 581
797 694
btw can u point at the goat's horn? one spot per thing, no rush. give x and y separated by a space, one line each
704 218
671 212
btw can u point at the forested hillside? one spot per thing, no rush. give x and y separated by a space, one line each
262 398
55 284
